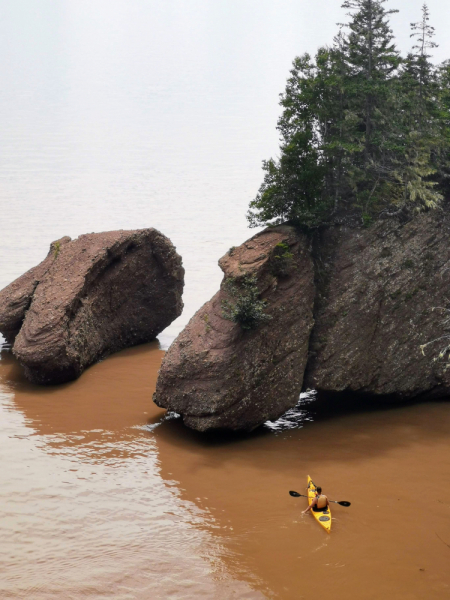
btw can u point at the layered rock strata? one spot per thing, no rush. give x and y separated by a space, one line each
218 375
376 296
382 293
89 298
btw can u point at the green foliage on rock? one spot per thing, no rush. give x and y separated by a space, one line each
363 131
246 307
56 246
282 260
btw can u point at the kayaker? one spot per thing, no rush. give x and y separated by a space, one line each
320 502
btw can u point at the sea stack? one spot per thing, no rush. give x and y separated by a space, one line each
218 374
90 297
361 311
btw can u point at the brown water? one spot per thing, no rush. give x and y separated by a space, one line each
123 115
102 498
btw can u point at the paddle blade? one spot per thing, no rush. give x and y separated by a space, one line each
344 503
295 494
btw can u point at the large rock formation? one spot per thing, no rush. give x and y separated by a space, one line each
90 297
379 295
218 375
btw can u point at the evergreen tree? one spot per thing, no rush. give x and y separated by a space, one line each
417 122
295 187
361 129
372 60
443 150
422 71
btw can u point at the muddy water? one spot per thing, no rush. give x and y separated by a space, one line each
102 497
123 115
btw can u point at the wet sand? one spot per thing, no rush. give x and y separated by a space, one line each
102 497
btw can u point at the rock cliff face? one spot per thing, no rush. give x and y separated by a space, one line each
376 291
90 297
219 376
374 297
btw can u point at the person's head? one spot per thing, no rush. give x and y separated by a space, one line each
319 489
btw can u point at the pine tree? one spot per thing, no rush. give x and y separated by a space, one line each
417 122
443 150
421 69
372 62
295 187
362 131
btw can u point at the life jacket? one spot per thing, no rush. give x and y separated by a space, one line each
321 501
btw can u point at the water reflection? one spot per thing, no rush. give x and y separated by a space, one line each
98 483
81 492
243 481
94 415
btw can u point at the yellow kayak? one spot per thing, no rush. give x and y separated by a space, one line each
322 516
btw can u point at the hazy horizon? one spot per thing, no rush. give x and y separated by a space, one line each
123 115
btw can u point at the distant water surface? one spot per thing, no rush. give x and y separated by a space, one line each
118 114
122 115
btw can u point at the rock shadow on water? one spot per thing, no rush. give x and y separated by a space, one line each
330 405
346 413
242 483
96 417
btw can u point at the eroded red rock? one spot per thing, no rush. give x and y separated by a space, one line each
382 293
379 301
217 375
89 298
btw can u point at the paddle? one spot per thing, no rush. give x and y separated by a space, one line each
343 503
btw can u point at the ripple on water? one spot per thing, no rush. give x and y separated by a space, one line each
86 514
296 417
